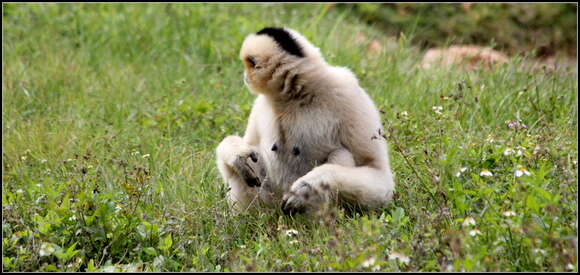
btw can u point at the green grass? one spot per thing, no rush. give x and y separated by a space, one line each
111 114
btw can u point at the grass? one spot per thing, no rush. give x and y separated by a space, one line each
111 114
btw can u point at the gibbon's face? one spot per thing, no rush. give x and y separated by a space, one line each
263 51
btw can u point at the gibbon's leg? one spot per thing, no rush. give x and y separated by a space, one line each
233 162
366 186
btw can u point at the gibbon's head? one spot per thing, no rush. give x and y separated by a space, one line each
270 51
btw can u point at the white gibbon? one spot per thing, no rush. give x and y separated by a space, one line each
313 135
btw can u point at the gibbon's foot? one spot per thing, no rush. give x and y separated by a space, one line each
305 197
249 174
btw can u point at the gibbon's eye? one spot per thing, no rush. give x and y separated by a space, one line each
252 61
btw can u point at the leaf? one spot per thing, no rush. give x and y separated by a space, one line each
166 243
532 204
91 266
150 251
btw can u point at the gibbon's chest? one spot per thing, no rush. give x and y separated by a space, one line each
296 143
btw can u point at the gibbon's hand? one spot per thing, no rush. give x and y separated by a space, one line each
248 172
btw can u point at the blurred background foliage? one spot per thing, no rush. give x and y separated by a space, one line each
547 29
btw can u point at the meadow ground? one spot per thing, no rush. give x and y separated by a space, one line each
111 115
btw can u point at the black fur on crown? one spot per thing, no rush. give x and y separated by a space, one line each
284 40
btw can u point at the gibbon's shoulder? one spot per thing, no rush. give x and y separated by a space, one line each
343 77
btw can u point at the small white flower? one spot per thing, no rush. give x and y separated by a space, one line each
404 113
509 213
294 242
570 266
539 251
376 268
468 221
463 169
508 151
20 191
474 232
146 156
490 139
485 173
437 109
521 172
46 249
400 257
291 232
369 262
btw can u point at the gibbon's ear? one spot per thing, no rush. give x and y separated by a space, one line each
284 39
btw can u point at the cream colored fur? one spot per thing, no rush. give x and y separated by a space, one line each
325 129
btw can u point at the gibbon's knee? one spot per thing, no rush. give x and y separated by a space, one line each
228 148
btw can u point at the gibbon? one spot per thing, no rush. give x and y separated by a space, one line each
313 134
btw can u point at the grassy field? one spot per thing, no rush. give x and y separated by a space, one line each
111 114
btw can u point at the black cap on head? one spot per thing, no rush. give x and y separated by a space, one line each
284 40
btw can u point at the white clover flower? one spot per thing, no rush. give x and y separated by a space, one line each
521 172
508 151
461 170
468 221
486 173
474 232
509 213
291 232
400 257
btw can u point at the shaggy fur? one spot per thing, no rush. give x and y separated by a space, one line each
313 135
